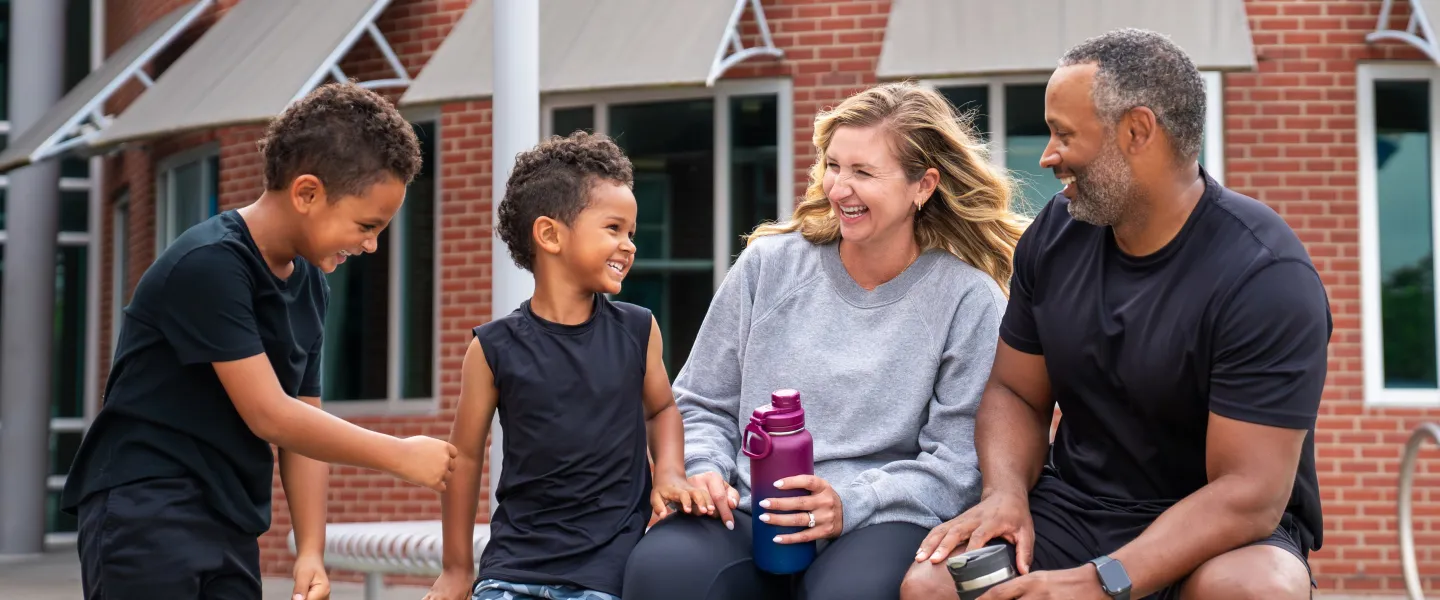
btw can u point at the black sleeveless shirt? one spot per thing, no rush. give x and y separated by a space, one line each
574 492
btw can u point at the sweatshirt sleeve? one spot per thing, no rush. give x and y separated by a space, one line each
944 479
707 389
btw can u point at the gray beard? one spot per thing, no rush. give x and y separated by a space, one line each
1104 189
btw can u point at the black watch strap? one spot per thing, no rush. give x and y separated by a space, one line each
1113 578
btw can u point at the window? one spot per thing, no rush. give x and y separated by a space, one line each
1009 113
187 191
707 171
1397 233
380 350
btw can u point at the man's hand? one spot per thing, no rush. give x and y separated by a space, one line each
453 584
711 482
311 582
426 461
1001 514
693 499
1080 583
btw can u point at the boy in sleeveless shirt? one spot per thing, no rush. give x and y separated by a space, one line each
578 381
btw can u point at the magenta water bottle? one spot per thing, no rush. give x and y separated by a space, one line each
778 446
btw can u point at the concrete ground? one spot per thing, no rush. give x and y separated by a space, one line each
56 576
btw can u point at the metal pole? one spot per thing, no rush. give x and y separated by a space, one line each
1408 566
37 38
516 118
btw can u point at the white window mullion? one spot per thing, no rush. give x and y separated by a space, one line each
720 236
996 108
393 388
1434 202
1214 125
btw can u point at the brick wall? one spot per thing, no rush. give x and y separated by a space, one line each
1290 141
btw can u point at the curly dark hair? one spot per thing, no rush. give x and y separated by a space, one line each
347 136
553 179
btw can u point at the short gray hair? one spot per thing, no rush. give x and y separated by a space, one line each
1143 68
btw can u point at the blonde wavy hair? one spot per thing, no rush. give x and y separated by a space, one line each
968 215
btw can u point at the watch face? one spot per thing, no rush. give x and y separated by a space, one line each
1113 577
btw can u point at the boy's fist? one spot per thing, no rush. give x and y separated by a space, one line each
426 461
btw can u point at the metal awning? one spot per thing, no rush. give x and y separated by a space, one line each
79 116
1419 30
595 44
261 56
948 38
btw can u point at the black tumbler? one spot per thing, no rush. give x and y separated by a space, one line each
976 571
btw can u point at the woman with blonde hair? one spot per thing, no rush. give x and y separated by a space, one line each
880 301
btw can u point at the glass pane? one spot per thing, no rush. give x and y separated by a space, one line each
1026 135
5 61
753 157
121 239
63 447
679 300
972 103
4 193
77 41
78 168
187 204
57 521
569 120
1407 282
672 147
357 331
75 211
68 371
417 275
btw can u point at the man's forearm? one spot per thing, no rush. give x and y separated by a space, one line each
306 484
1011 440
1222 516
666 431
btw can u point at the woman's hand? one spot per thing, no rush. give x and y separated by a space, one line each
725 497
822 505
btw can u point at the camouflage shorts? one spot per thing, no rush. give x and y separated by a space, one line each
494 589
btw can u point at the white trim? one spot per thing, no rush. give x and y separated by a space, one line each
1371 319
1419 24
331 65
77 131
96 178
67 184
720 93
1214 125
731 40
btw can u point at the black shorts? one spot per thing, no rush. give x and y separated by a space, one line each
158 538
1071 528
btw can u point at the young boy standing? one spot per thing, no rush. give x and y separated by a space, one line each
578 380
219 356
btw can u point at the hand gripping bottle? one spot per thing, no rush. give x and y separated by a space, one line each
778 446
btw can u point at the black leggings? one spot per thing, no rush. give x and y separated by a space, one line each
698 559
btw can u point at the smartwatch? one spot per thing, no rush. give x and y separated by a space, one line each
1112 577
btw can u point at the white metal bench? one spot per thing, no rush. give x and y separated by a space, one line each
390 547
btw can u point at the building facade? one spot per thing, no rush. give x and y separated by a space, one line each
1326 110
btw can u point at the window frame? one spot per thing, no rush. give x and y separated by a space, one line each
1214 149
723 232
1371 318
119 270
394 402
165 228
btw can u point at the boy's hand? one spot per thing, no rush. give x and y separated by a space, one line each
677 490
311 582
452 585
426 461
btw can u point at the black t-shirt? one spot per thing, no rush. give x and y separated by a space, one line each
1230 317
574 492
209 297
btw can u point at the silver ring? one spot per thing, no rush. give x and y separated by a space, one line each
812 519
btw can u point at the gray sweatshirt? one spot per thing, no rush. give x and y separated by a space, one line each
890 379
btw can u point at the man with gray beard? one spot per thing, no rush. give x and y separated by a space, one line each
1182 330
